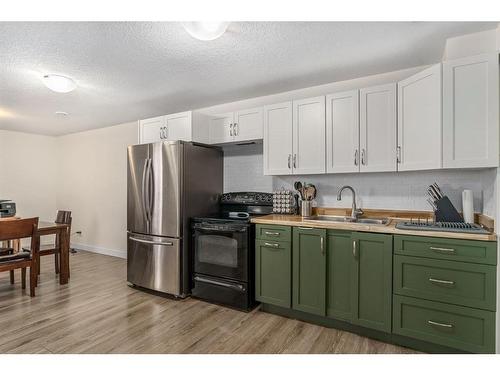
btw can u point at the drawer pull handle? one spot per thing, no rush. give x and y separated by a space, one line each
442 325
271 233
443 282
267 244
443 250
307 228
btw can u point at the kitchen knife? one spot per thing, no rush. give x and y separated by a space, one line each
438 189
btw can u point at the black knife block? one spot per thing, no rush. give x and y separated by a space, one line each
446 211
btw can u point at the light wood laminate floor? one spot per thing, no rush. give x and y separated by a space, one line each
98 313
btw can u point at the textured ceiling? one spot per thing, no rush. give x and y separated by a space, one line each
131 70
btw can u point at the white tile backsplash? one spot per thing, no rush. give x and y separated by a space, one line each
243 171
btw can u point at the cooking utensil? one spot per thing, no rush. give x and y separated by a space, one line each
300 188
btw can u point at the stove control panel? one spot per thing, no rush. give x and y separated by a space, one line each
248 198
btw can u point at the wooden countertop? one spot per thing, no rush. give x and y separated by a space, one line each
390 228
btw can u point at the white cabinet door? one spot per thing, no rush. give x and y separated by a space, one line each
278 139
221 128
178 126
342 132
470 112
152 130
248 124
309 136
419 121
378 128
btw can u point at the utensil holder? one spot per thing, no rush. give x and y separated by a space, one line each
305 208
446 212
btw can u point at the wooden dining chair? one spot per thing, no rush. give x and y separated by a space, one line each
62 217
10 260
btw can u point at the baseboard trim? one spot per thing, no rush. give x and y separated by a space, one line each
100 250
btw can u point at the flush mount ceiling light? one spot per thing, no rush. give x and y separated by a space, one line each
205 30
59 83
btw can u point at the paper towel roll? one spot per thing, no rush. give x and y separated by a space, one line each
468 206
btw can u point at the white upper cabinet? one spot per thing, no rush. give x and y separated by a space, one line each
470 112
178 126
342 132
248 124
152 129
245 125
419 121
378 128
184 126
221 128
278 139
309 136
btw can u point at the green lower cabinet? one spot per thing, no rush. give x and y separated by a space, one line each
340 268
309 270
273 268
459 327
372 281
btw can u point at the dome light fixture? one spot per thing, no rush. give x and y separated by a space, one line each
59 83
205 30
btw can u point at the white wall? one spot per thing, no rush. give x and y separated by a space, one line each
93 185
28 173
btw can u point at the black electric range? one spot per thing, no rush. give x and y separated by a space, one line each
224 250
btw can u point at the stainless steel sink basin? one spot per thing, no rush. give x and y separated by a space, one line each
346 219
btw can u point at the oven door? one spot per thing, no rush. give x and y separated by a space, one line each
221 250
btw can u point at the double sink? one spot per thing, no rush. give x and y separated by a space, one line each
347 219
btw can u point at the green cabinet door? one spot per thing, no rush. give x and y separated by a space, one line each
372 280
273 272
309 270
340 268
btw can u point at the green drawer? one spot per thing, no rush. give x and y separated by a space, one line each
453 326
273 232
465 284
484 252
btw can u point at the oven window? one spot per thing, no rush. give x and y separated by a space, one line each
217 250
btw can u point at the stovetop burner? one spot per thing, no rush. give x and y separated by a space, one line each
241 207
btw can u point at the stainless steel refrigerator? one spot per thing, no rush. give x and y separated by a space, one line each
168 183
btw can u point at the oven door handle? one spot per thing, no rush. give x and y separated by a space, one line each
221 230
238 287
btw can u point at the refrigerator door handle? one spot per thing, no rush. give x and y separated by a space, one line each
151 190
147 189
151 242
143 189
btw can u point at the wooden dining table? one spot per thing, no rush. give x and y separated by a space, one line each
46 228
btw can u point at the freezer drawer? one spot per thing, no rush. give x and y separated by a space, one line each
154 263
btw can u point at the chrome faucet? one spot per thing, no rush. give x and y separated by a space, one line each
356 212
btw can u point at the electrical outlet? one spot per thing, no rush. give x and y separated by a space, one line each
79 232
